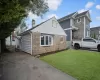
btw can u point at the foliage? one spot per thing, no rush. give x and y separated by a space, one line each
13 11
81 64
93 36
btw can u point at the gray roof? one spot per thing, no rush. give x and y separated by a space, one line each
70 15
66 17
98 27
81 14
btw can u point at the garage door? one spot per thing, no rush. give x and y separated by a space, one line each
26 43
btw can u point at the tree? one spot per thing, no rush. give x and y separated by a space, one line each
13 11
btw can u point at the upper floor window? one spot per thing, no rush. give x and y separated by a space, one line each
54 23
79 20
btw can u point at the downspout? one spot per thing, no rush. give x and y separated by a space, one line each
84 27
31 43
71 30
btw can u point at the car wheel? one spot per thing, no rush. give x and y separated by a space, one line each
98 48
76 46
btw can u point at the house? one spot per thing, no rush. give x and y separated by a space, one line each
13 39
95 32
45 37
10 40
76 25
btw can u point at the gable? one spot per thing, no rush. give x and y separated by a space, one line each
50 27
88 15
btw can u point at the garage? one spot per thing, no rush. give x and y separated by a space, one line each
26 45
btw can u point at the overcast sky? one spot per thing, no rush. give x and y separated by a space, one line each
61 8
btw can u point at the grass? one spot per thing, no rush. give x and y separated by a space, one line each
81 64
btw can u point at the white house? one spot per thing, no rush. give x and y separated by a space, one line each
45 37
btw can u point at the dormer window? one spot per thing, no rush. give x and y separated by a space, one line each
78 20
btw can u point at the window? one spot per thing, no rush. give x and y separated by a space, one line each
46 40
54 24
89 40
61 39
79 20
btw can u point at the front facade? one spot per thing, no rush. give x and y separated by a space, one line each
43 38
95 32
76 25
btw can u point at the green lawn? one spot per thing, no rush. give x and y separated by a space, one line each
81 64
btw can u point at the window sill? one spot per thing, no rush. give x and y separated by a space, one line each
45 45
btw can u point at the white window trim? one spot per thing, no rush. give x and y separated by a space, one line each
45 40
78 21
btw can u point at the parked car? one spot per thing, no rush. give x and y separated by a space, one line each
87 43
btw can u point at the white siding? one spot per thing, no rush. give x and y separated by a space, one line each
8 41
26 43
48 28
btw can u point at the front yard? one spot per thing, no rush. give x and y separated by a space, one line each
81 64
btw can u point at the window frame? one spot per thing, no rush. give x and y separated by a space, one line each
49 36
89 40
78 21
54 23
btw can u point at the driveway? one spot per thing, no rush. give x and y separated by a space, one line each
21 66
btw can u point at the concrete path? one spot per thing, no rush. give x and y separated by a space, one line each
21 66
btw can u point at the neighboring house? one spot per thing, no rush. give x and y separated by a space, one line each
76 25
13 39
95 32
46 37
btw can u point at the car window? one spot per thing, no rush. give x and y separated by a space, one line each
89 40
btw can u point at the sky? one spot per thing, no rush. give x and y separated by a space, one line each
61 8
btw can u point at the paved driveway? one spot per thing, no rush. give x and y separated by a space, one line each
21 66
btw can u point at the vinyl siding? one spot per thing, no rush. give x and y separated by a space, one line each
26 43
87 26
79 34
50 28
66 24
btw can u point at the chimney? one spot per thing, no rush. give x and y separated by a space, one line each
33 22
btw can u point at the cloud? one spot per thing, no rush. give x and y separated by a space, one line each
98 18
97 6
82 10
54 4
52 15
89 5
32 16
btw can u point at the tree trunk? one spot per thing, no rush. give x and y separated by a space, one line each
3 45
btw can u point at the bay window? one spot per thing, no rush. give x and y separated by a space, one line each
46 40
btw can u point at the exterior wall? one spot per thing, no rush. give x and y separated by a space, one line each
50 26
57 45
79 34
95 31
13 43
87 27
66 24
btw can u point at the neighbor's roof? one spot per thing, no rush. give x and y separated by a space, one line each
66 17
81 14
98 27
34 27
70 15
